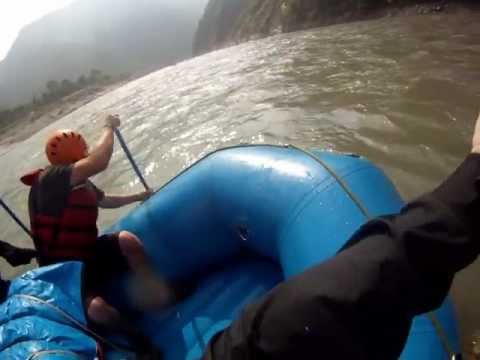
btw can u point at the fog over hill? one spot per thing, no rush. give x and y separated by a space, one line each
114 36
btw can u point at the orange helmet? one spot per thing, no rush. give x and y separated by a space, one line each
65 147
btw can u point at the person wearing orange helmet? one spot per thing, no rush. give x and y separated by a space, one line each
63 208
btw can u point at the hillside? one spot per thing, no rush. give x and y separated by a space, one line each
114 36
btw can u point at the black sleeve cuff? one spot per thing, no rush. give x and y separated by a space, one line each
460 192
462 185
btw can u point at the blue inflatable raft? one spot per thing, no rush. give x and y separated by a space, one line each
255 214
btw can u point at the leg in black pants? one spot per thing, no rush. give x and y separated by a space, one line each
360 304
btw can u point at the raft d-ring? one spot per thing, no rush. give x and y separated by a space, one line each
242 232
353 155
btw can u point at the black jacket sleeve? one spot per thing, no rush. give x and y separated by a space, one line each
360 304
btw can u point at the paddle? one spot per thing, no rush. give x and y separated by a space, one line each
15 218
130 158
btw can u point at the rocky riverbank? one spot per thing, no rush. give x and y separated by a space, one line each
231 22
45 115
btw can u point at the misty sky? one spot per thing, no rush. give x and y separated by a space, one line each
15 14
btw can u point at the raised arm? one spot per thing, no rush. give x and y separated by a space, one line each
99 158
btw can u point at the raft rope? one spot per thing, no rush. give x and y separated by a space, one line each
77 324
437 325
71 355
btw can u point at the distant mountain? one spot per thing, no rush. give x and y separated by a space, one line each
114 36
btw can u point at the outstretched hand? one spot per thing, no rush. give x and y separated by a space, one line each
16 256
145 195
476 137
21 257
112 121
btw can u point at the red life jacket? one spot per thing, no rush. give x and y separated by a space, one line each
72 235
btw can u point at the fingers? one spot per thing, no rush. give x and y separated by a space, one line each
112 121
147 194
144 195
476 137
19 257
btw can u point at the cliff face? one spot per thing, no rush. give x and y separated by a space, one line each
227 22
215 27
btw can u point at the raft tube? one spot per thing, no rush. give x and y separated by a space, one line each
245 218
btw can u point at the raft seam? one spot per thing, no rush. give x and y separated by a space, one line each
305 201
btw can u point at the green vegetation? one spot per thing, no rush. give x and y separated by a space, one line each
55 91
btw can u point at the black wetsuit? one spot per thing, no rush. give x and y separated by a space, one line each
4 285
360 304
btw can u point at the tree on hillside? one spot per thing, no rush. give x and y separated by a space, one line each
82 81
67 87
55 90
95 76
5 116
46 98
53 87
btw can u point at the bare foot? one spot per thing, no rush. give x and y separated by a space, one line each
148 292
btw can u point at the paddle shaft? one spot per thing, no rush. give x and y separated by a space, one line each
15 218
123 144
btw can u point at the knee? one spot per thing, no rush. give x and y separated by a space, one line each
96 309
130 244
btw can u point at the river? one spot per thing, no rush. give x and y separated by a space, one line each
403 92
